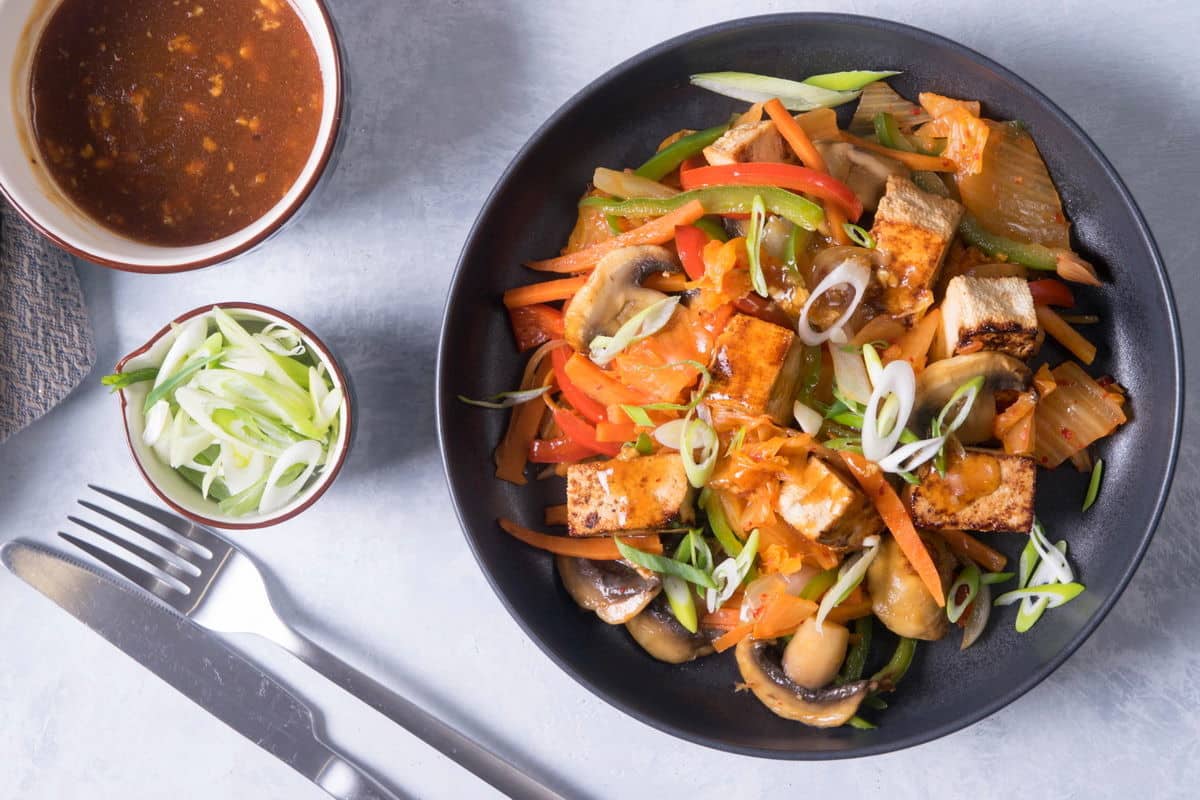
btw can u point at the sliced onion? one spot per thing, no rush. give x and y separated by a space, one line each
908 457
850 373
280 340
187 440
849 576
727 578
848 273
627 184
646 322
275 496
897 379
156 422
809 419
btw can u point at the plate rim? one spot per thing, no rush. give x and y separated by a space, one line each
443 397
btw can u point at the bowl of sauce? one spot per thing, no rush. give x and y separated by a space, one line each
161 137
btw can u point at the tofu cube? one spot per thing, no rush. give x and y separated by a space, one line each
756 141
989 314
827 507
756 365
985 491
913 229
638 495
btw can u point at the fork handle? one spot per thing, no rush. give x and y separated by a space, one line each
455 745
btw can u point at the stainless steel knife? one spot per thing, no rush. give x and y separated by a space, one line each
197 664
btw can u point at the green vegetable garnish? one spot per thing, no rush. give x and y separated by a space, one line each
859 235
121 380
754 235
644 444
819 584
718 200
674 154
968 579
850 80
1093 489
717 520
664 566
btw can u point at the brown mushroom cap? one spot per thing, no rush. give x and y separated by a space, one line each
662 636
761 668
614 590
898 595
613 293
941 379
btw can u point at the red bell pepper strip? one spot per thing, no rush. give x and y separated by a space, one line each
582 433
786 176
689 242
591 410
534 325
1051 292
557 451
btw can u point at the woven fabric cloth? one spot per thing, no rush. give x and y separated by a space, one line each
46 345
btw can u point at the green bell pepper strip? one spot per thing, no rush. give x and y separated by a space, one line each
713 228
718 200
861 724
887 131
1034 256
898 665
856 660
674 154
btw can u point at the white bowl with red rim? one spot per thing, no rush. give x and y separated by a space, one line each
33 192
173 488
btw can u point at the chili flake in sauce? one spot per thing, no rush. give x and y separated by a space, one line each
176 123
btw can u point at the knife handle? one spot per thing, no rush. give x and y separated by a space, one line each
455 745
345 780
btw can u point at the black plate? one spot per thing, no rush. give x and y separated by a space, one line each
616 122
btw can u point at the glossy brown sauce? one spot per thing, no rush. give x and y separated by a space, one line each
172 122
968 477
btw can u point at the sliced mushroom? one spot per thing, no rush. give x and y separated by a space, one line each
661 635
613 293
938 381
762 670
866 173
898 595
614 590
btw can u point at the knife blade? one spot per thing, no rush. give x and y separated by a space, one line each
197 664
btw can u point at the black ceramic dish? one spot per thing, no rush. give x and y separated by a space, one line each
616 122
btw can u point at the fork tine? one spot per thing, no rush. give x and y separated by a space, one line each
148 581
186 550
153 559
199 534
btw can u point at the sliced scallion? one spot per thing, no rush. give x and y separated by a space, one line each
507 399
719 523
646 322
969 579
859 235
664 566
121 380
754 237
682 601
1093 489
644 444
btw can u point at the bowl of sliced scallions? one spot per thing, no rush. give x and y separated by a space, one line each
236 415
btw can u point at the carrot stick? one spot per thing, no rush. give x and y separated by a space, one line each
782 615
967 546
915 343
666 282
601 549
1067 336
556 515
896 517
725 618
728 640
915 161
513 451
849 611
615 431
598 384
658 231
544 292
798 139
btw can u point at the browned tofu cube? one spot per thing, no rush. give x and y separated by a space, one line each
913 230
755 141
827 507
989 314
985 491
756 365
638 495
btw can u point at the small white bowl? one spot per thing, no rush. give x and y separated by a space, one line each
33 192
168 484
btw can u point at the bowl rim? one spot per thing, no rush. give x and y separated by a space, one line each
335 130
444 397
327 357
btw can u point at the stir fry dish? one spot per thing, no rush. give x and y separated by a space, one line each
789 367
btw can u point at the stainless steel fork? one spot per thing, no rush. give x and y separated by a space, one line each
218 586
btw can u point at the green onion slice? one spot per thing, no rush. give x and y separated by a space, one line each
1055 594
859 235
190 368
120 380
644 445
646 322
698 435
664 566
850 80
969 579
1093 489
754 237
711 505
638 415
682 601
850 575
507 399
819 584
990 578
794 95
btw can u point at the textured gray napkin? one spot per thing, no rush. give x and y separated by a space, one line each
46 345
